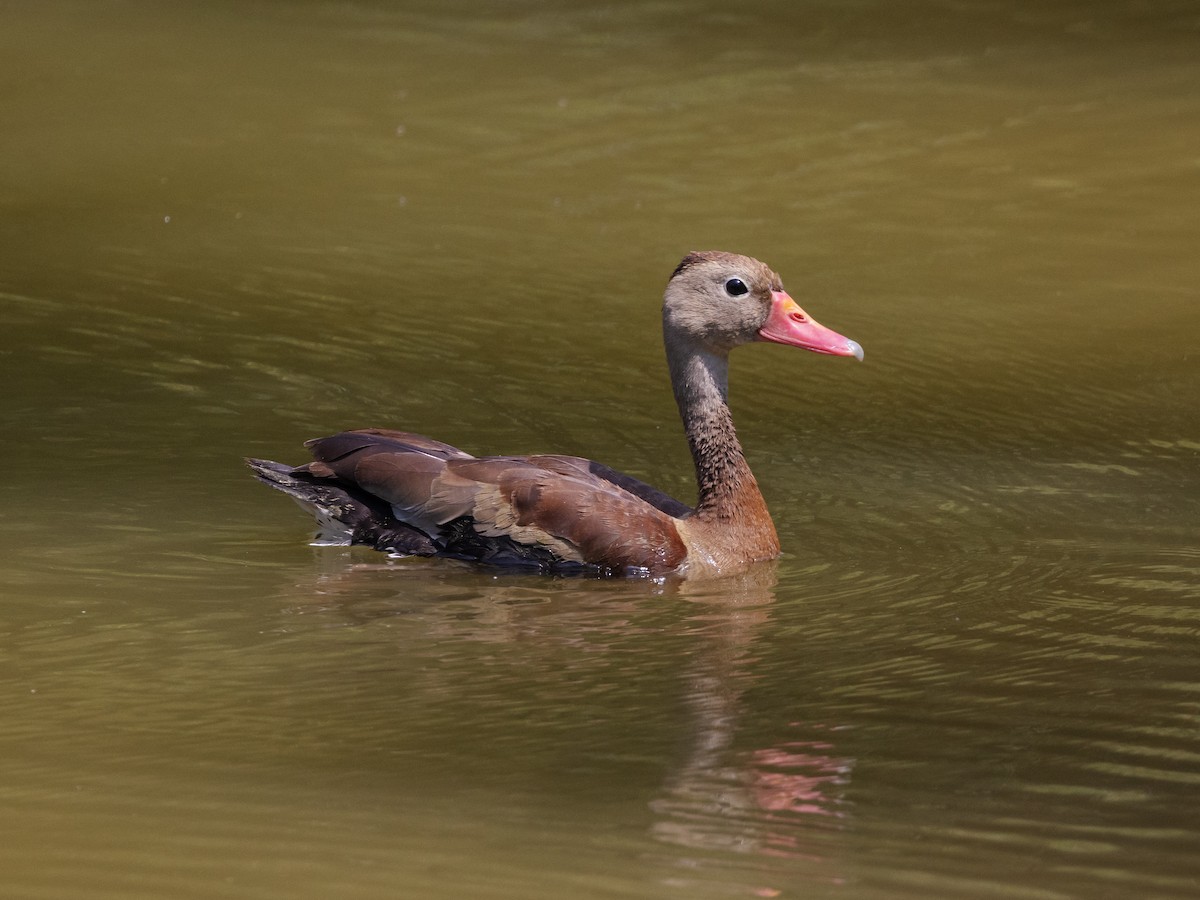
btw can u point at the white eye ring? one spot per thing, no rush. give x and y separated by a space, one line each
735 287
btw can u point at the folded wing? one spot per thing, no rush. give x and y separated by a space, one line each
548 510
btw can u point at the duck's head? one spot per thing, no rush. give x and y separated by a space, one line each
719 301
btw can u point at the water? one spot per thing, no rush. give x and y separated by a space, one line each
228 228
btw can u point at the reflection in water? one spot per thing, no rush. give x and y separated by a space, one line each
776 804
722 797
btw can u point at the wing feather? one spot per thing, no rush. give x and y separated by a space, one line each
577 510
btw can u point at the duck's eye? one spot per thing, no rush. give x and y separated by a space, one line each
735 287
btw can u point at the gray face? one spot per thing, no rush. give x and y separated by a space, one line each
718 300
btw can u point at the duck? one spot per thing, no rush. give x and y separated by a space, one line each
409 495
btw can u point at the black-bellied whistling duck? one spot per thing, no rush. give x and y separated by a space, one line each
411 495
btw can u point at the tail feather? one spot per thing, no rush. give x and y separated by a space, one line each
344 516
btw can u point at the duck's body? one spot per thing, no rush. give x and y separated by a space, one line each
408 494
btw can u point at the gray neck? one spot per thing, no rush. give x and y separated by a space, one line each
701 382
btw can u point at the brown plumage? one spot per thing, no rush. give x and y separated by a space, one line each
407 494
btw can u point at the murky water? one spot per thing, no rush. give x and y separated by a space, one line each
226 228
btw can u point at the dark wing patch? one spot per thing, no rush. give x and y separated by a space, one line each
344 515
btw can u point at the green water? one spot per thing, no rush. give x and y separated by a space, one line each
227 228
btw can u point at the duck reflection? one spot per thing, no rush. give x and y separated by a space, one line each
763 790
727 794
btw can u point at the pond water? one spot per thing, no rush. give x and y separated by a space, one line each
226 228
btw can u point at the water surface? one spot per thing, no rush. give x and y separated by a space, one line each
227 228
